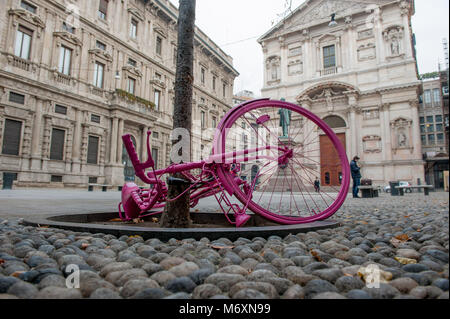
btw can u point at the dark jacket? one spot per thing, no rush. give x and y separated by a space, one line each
355 170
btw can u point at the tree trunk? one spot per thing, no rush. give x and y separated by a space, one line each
176 213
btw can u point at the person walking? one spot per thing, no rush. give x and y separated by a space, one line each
317 185
356 175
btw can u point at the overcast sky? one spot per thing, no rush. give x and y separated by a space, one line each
235 25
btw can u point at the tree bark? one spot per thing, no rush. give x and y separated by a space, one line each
177 213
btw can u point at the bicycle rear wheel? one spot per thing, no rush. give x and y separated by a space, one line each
281 165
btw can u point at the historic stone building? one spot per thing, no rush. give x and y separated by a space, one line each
359 74
77 75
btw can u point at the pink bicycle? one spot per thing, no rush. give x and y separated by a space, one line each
270 173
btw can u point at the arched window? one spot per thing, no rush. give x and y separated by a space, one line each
327 178
334 121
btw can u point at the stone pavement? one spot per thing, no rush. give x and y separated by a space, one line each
402 242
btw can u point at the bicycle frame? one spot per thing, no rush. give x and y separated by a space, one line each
146 199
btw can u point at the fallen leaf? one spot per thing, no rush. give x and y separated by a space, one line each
17 273
403 237
137 220
134 236
115 220
407 216
84 245
316 255
2 261
395 242
348 275
373 272
154 219
426 214
405 261
221 247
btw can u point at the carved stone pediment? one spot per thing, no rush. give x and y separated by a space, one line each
28 16
159 83
101 54
136 13
160 31
132 70
69 37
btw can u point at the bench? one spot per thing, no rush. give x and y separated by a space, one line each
426 189
103 186
369 191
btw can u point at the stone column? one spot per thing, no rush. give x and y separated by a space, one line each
352 102
113 144
119 142
143 156
387 131
36 138
416 141
76 142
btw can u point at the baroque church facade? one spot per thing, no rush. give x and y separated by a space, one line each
77 75
359 76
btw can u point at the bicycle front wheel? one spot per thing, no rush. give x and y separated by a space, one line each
278 148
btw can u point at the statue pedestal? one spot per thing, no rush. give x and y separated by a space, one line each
285 181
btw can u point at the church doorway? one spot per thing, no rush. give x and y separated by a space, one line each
330 166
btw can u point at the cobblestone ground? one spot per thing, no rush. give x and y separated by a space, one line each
403 241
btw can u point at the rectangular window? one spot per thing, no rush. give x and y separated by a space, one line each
68 28
158 76
23 43
131 85
224 89
155 157
60 109
329 57
422 120
95 118
430 127
214 83
430 119
174 56
11 137
65 57
103 9
27 6
155 135
440 138
57 145
202 119
427 96
132 62
431 139
98 74
424 139
100 45
436 96
158 45
133 29
92 180
214 122
422 129
16 98
439 127
56 179
157 99
203 75
92 155
438 118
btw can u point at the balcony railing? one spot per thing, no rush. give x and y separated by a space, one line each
328 71
21 63
64 79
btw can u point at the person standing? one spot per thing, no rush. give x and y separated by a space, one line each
317 185
356 175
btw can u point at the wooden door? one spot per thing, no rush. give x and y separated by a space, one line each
330 168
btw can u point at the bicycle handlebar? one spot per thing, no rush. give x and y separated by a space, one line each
138 166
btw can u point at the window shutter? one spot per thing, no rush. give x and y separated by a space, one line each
11 137
57 146
92 150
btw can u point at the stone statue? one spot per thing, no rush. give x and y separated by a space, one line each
395 47
285 120
401 139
